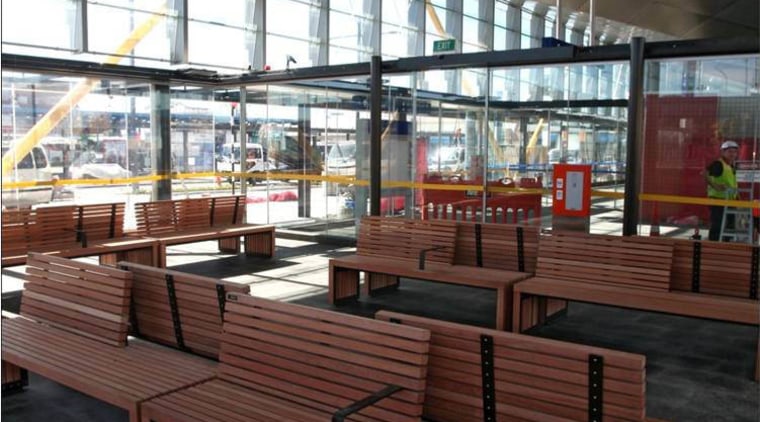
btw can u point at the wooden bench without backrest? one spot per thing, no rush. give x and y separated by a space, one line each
182 221
180 310
73 330
391 248
477 374
285 362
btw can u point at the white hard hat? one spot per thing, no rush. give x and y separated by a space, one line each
729 144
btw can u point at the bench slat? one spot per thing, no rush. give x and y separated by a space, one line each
66 301
198 307
535 379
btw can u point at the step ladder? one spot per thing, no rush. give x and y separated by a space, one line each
741 230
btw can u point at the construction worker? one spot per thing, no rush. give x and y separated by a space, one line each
721 184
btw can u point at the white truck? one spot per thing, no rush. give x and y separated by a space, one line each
33 167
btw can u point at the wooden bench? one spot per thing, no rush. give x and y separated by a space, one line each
180 310
174 222
391 248
635 273
285 362
478 374
73 330
72 232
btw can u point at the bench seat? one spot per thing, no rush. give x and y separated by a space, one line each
143 251
646 273
222 401
286 362
472 255
121 376
181 221
744 311
73 330
344 278
73 231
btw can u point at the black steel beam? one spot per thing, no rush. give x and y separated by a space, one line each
507 58
80 68
375 120
635 125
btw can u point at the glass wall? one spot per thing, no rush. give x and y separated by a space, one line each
239 35
445 154
692 108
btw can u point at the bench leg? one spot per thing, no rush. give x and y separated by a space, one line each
527 311
378 282
14 379
516 310
230 245
555 308
503 309
343 285
260 244
145 256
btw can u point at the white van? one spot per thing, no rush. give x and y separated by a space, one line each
33 167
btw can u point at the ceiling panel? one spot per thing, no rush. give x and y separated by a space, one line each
681 19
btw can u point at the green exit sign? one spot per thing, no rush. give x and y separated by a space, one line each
444 46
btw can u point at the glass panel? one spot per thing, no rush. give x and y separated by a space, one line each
218 33
692 107
194 114
103 135
23 22
110 26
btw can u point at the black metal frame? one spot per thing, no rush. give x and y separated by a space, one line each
696 266
479 245
424 252
177 323
221 297
341 414
754 272
489 380
595 388
520 249
508 58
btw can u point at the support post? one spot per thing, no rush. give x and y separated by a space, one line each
635 119
161 133
375 149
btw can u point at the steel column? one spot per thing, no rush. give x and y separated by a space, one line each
635 123
160 128
375 117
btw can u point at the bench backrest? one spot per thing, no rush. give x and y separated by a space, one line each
155 218
90 300
101 221
17 231
312 355
530 378
718 268
404 238
177 309
169 216
227 210
192 213
637 262
502 246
